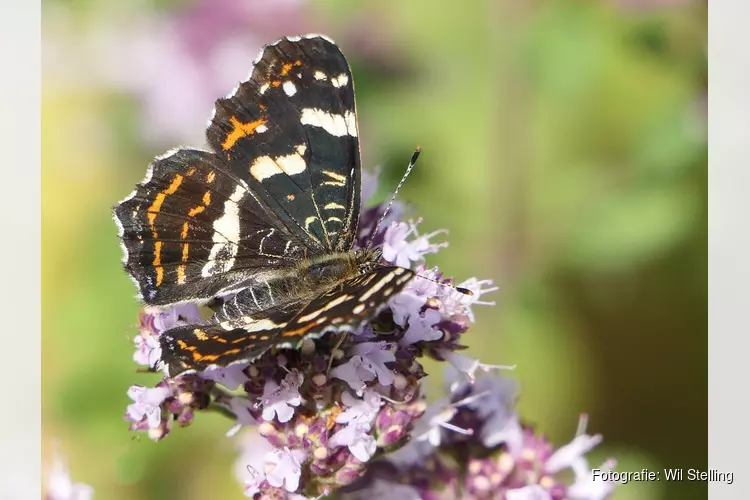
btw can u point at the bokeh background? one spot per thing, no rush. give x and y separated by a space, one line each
564 147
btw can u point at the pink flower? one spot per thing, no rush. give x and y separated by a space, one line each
467 365
422 328
147 404
242 409
362 411
355 436
147 350
280 399
401 252
459 303
367 363
286 468
230 377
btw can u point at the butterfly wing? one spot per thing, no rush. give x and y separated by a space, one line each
244 338
348 305
290 130
192 230
282 185
243 330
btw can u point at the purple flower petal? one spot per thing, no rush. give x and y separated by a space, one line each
355 437
279 399
398 250
362 411
231 377
366 363
179 315
287 468
147 404
422 328
242 409
569 455
147 350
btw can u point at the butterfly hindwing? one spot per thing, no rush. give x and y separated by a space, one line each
290 131
197 347
243 330
347 305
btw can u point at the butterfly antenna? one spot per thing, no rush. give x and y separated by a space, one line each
459 289
395 193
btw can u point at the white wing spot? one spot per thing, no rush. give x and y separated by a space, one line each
289 88
264 88
338 179
265 166
253 326
340 80
226 236
261 128
334 206
334 124
263 240
309 221
319 75
377 286
292 164
308 317
330 305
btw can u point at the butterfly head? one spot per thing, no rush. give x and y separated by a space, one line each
368 259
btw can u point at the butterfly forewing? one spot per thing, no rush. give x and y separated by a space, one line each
290 130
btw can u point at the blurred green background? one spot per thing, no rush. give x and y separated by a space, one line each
564 147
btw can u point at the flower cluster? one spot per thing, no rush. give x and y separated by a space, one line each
472 445
346 410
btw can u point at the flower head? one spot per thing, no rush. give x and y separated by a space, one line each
508 461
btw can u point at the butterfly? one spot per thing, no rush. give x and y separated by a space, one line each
265 220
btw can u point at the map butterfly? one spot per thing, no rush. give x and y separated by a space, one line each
266 219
